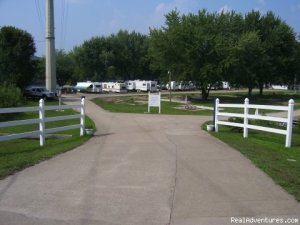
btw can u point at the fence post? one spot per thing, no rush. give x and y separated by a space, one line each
82 116
246 112
289 126
159 109
42 122
216 112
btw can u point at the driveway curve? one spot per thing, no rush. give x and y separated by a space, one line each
142 169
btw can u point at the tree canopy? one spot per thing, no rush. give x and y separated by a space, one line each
252 50
17 49
120 56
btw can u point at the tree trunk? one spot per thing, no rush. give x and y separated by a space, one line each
261 87
204 93
249 91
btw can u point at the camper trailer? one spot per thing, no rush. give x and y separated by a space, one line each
130 85
145 85
152 85
279 87
142 85
225 85
116 87
183 86
91 87
174 86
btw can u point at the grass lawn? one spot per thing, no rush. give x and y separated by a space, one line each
138 104
267 152
20 153
269 97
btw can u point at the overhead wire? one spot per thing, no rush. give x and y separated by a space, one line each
39 15
64 21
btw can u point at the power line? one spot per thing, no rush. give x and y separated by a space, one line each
64 21
40 17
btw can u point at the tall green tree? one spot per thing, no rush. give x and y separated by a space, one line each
279 42
193 46
91 59
17 50
64 68
249 59
120 56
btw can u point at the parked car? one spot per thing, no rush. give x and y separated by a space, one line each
38 92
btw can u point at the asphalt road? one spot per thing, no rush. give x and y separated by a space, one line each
143 170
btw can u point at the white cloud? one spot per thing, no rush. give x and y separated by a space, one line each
262 2
225 9
298 6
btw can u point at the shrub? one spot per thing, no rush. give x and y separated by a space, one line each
10 95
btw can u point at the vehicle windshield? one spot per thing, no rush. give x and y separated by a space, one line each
44 90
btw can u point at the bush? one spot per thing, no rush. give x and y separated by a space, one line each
10 96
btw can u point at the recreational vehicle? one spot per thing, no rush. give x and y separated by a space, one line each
174 86
130 85
153 86
279 87
142 85
92 87
183 86
145 85
114 87
225 85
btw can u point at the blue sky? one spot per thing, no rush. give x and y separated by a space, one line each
79 20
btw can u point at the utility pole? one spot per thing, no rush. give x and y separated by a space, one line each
50 48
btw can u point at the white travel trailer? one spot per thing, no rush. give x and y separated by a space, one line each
145 85
114 87
92 87
130 85
142 85
174 86
225 85
183 86
191 86
153 85
279 87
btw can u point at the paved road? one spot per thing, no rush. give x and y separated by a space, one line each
143 170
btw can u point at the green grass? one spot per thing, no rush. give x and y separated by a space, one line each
21 153
267 152
269 97
137 104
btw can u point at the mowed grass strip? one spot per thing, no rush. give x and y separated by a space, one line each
138 104
268 152
21 153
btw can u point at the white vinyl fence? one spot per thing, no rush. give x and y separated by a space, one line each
42 120
246 116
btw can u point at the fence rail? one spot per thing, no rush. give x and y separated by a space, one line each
42 120
246 116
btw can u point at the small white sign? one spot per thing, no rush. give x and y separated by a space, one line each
154 101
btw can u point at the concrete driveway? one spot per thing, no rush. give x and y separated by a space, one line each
143 170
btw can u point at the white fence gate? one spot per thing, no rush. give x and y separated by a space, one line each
42 120
246 116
